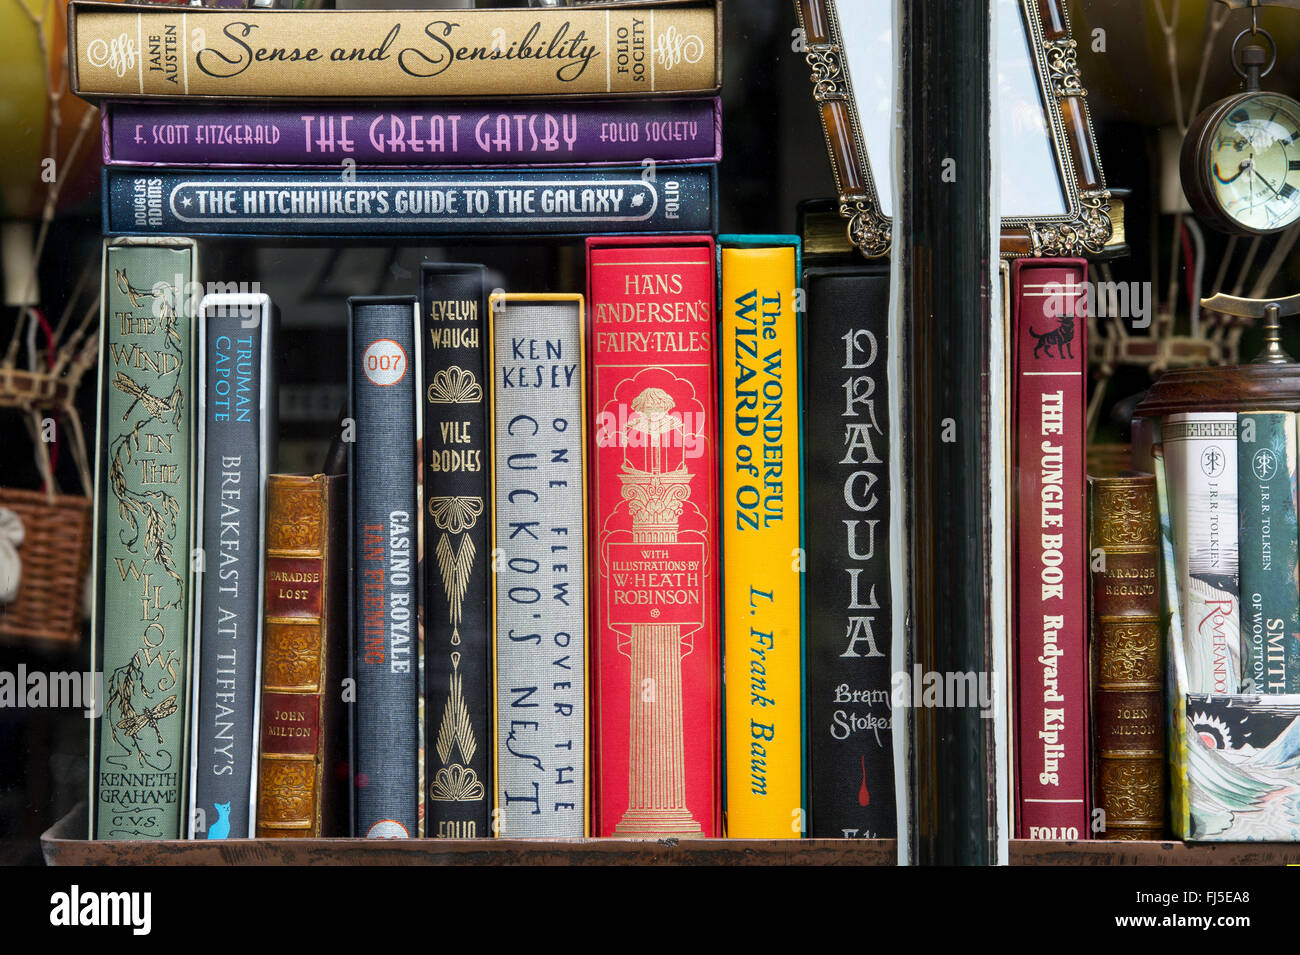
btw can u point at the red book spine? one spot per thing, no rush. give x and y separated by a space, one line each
1051 542
653 506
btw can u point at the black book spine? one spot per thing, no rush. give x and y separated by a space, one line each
457 627
236 339
847 584
383 556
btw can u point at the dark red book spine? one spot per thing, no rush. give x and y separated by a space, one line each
1051 691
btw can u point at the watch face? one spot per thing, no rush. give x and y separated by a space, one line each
1253 159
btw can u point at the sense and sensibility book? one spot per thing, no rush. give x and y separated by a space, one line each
384 550
421 134
656 709
539 560
558 201
237 441
457 511
142 562
762 568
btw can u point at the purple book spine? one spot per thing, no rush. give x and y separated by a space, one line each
408 135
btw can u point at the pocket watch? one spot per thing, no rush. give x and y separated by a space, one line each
1240 161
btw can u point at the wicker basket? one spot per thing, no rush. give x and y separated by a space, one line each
55 555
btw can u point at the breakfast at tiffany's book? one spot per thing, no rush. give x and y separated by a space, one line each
704 433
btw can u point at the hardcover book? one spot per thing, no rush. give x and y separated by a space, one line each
539 584
236 449
144 495
138 51
1051 537
457 626
1270 599
762 579
384 550
557 202
303 778
847 582
425 134
1200 453
653 536
1127 656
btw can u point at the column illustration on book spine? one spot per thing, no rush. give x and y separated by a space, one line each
457 628
654 519
145 589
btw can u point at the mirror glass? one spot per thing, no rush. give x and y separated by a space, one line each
1031 183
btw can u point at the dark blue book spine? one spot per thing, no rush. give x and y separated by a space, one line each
236 418
384 576
457 550
566 201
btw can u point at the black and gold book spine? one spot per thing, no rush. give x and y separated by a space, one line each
847 586
457 628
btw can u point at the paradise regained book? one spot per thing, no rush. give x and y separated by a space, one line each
1051 613
1266 505
237 444
847 583
144 496
762 578
303 778
1200 451
539 583
555 201
384 550
1127 656
457 512
653 536
138 51
430 133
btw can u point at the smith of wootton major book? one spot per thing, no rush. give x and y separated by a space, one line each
412 135
152 51
558 202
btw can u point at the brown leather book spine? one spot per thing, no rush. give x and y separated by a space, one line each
302 774
1127 657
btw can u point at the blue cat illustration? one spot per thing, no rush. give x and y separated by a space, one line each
221 828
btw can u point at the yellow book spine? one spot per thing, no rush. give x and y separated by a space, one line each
193 51
761 586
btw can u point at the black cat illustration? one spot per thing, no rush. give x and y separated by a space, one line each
1061 336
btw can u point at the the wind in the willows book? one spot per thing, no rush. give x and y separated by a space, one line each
143 583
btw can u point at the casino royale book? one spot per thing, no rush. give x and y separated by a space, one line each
656 694
429 133
555 202
384 549
457 511
138 51
539 584
143 585
236 450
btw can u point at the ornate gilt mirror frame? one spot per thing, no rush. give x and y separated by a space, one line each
1084 228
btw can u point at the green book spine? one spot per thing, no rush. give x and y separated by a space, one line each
1270 601
143 563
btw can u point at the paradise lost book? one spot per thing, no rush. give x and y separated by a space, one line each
762 576
539 553
1051 537
139 51
384 550
457 627
653 538
143 495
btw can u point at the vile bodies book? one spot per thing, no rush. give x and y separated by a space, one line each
1051 539
653 538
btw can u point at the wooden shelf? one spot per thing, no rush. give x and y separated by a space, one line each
64 844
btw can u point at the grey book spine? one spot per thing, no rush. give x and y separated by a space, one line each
236 441
539 583
384 576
